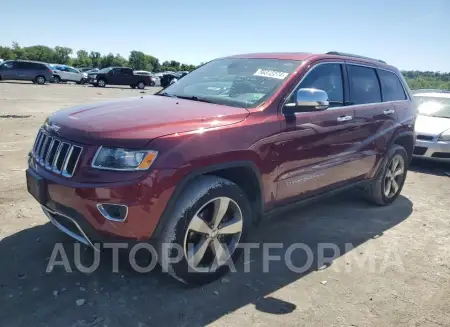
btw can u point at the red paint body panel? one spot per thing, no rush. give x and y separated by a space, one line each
311 153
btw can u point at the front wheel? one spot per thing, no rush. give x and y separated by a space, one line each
391 178
204 230
152 83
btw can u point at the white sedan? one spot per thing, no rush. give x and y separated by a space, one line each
433 125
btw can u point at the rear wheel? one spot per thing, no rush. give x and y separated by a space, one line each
101 83
152 83
40 80
56 79
391 178
141 85
204 230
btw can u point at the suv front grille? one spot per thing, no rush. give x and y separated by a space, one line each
56 155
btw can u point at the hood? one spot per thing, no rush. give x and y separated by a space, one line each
133 122
432 126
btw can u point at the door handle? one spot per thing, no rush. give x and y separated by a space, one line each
389 111
344 118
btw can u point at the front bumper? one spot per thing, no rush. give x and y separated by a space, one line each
432 149
73 206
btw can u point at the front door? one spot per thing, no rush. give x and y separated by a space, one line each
8 70
317 150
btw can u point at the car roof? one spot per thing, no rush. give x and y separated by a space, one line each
302 56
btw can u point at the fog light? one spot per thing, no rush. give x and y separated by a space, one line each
114 212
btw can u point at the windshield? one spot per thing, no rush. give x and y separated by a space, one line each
236 82
434 106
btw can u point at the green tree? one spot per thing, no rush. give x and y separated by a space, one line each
96 58
82 59
62 55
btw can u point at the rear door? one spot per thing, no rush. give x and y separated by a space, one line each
73 75
23 70
374 117
127 76
316 150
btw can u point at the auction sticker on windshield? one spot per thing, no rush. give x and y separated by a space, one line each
270 74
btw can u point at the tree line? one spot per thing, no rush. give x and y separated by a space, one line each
141 61
82 58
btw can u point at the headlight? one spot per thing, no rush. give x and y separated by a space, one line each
445 136
93 76
123 159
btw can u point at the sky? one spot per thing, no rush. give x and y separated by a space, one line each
409 34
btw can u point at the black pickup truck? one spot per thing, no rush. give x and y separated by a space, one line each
119 76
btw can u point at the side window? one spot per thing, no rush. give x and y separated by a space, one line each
327 77
127 71
391 86
21 65
9 65
71 70
364 85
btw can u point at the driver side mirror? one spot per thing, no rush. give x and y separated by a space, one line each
307 99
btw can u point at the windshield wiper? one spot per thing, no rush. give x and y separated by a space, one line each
193 98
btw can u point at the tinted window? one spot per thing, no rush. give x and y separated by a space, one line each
9 65
327 77
364 85
391 86
126 71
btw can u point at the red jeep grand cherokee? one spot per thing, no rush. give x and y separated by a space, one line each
203 160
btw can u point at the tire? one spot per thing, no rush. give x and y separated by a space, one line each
40 80
141 85
381 190
101 82
152 83
133 86
56 79
82 81
196 208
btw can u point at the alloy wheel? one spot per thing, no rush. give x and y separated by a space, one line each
394 176
213 234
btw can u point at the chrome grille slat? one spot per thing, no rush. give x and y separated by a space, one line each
55 155
47 156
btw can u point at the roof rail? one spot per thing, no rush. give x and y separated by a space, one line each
337 53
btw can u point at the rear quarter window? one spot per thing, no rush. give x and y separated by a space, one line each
391 86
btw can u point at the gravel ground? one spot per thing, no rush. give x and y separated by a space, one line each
395 273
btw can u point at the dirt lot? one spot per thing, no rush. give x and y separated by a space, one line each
409 285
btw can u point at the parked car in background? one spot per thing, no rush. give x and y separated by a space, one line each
86 69
193 168
93 70
432 125
146 73
64 73
26 70
171 78
119 76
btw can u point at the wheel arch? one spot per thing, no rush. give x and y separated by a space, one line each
239 172
407 141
